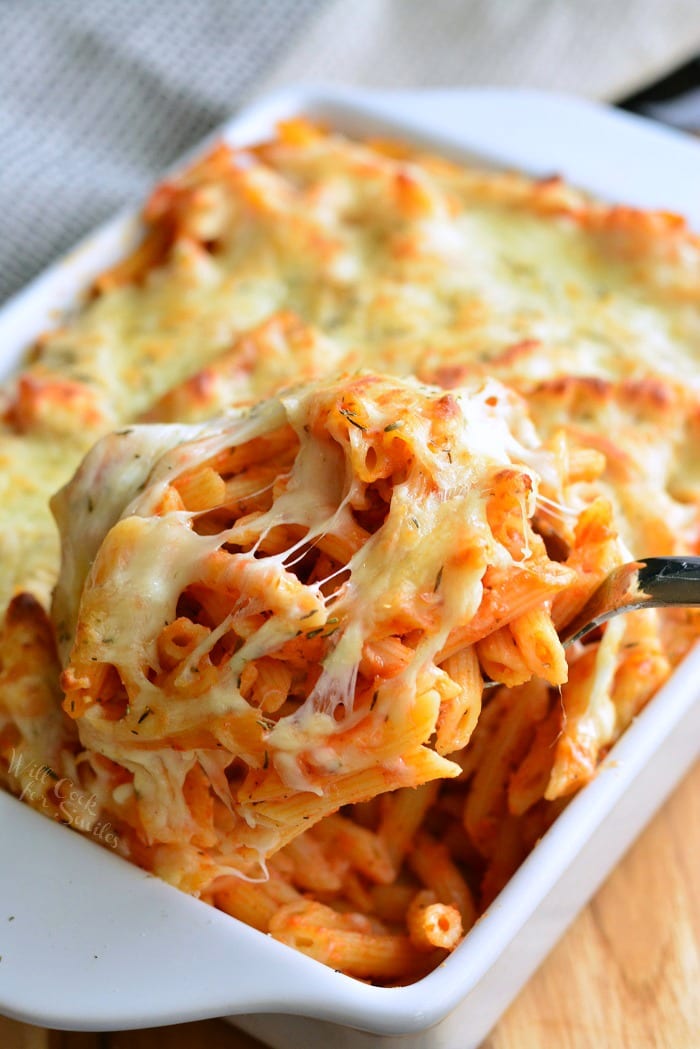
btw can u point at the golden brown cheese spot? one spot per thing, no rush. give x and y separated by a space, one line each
258 363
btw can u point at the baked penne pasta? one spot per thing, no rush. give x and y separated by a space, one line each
195 644
261 657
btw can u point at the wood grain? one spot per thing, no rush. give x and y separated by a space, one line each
627 974
628 971
20 1036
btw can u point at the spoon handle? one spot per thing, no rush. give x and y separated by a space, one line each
655 582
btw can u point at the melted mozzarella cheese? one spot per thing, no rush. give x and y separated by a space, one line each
126 566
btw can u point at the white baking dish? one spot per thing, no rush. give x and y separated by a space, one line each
97 944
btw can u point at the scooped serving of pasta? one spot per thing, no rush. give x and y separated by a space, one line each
353 430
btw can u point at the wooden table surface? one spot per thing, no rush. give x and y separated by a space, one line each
626 975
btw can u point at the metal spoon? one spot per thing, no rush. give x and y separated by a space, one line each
655 582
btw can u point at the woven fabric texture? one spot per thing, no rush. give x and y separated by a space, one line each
97 98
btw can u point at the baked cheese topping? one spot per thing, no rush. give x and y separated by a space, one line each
313 254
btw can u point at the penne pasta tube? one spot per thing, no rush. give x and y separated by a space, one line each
432 863
432 924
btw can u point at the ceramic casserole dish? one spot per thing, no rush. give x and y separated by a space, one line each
97 944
